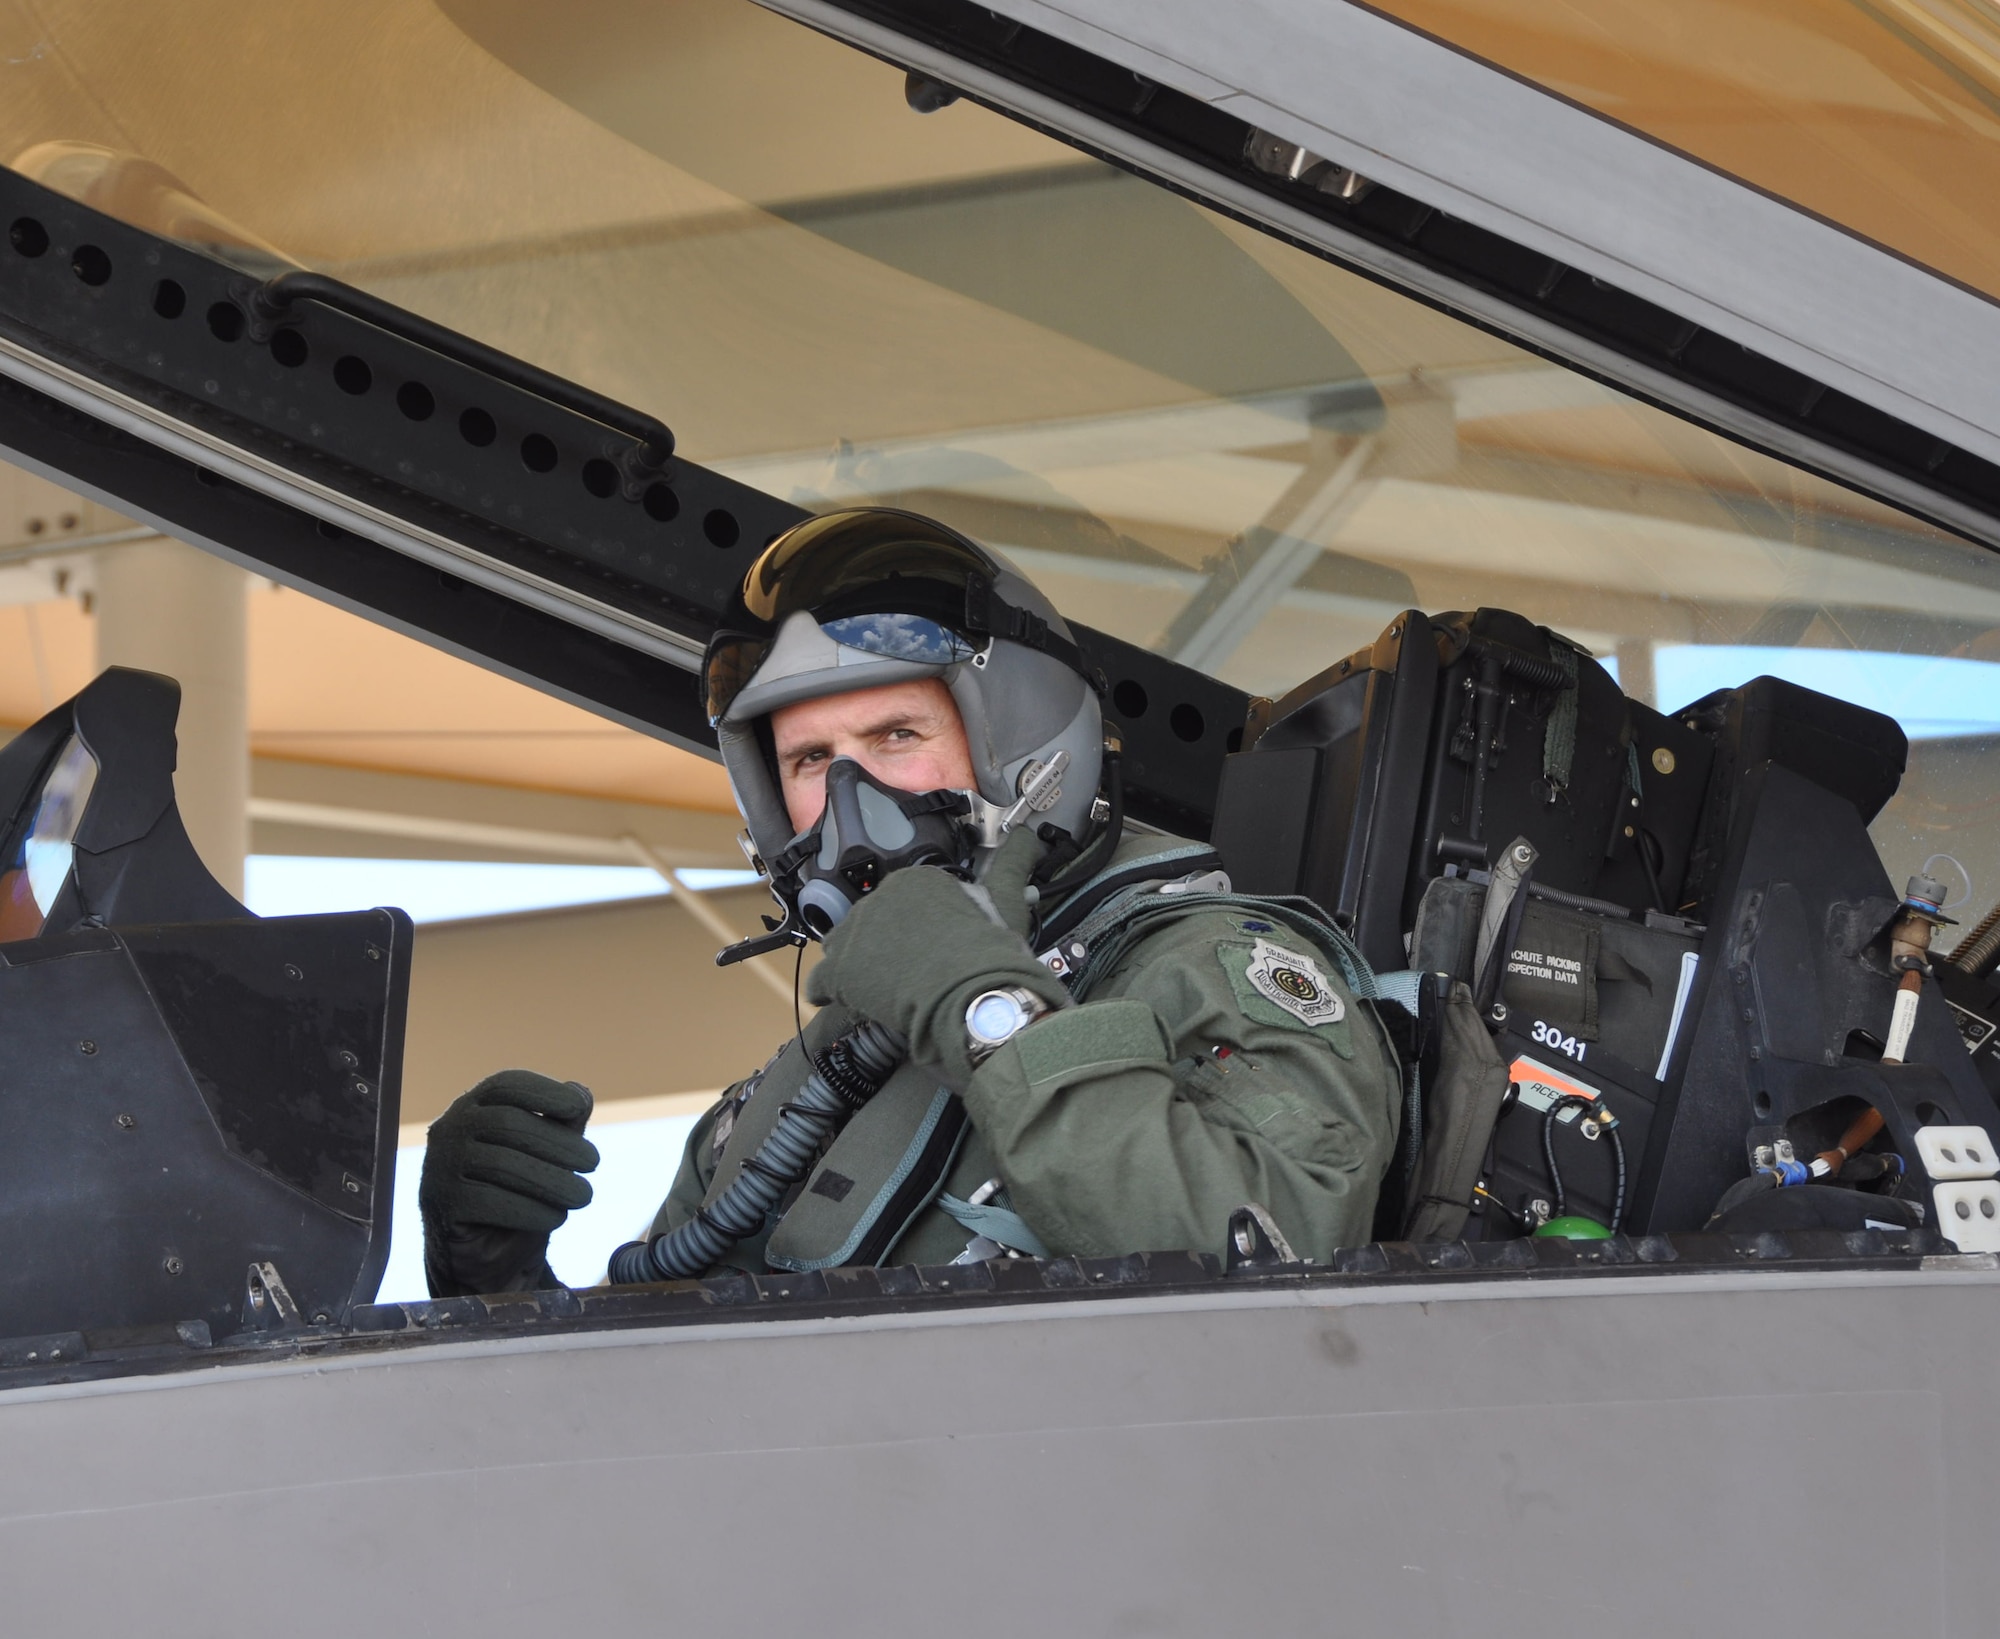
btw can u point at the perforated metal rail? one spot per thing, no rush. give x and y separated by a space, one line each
368 454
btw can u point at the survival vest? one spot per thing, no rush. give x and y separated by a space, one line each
889 1164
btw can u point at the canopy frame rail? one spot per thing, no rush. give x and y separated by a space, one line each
1519 292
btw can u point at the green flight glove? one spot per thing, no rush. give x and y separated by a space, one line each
1006 878
500 1176
915 952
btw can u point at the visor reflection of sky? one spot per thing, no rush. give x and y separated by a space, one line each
900 637
1933 697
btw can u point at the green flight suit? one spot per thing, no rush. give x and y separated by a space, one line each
1219 1055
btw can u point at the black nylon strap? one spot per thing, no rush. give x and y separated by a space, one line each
913 804
987 614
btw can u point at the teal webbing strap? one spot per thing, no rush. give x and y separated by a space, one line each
1157 865
996 1223
1400 988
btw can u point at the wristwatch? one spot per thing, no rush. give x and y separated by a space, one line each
997 1016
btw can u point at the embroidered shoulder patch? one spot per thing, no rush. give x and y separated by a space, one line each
1275 985
1291 981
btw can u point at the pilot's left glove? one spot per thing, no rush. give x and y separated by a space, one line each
915 952
500 1175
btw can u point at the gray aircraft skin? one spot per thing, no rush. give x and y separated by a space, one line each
1660 1454
1657 1434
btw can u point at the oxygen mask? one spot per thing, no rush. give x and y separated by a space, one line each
865 831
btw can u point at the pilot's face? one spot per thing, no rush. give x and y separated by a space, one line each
905 734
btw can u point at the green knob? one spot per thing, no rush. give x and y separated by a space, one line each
1573 1228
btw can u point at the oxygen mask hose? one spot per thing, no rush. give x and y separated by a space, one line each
852 1071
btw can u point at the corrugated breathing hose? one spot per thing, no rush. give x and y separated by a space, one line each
850 1074
1977 949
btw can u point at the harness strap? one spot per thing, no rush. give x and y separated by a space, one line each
1125 918
996 1223
1081 902
987 614
1400 988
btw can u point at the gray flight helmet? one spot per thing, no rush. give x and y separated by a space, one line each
856 599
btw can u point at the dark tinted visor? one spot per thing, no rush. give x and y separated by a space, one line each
873 562
886 583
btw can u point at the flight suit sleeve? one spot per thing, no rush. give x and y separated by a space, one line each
1220 1064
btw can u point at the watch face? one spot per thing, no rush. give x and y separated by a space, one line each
994 1017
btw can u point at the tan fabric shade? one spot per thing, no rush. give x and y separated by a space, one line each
330 687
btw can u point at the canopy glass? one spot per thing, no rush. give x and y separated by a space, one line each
1192 435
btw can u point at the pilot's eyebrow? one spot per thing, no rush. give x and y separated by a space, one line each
902 719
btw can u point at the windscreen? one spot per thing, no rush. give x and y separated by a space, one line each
42 858
1190 434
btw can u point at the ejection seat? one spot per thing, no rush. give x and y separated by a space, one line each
1678 918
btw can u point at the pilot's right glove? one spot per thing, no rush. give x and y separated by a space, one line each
919 948
500 1176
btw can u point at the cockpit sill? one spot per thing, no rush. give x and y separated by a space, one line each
1439 1271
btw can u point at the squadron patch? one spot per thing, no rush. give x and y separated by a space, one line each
1290 981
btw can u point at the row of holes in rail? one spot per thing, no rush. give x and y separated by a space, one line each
351 374
1131 701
